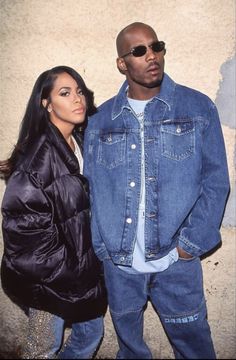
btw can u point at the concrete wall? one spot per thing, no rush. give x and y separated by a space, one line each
200 36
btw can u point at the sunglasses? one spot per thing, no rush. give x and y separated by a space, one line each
141 50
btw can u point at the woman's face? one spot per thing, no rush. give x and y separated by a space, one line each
68 104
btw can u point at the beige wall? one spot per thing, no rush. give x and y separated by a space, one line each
200 37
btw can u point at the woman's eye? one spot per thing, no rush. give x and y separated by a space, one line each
65 93
80 92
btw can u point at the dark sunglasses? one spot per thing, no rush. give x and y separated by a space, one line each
141 50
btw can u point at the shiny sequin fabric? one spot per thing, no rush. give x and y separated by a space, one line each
40 338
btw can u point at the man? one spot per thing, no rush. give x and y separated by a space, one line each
155 159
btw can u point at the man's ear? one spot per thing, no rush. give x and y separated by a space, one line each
46 105
121 65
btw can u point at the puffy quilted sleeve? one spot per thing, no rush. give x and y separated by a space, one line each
31 242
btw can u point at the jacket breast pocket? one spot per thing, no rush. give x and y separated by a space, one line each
177 139
111 149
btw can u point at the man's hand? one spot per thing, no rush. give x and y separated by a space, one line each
183 254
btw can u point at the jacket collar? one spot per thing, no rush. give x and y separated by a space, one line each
165 95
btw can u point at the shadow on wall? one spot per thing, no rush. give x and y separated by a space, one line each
10 355
225 97
225 102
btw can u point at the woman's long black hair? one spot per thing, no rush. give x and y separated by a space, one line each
36 116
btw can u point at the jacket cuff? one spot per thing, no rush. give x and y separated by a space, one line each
189 247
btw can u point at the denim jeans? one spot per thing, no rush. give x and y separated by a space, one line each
84 340
178 298
45 337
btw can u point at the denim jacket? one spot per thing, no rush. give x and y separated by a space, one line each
186 174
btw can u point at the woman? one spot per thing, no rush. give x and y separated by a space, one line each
48 263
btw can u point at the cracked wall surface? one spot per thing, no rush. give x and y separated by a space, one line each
200 39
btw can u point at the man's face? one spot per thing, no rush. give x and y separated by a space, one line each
147 70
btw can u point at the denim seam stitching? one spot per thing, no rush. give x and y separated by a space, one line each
186 314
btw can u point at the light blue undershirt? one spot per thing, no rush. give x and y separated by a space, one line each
139 264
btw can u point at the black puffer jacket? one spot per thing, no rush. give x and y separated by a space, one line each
48 261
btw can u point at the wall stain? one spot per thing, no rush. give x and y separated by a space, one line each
225 97
225 102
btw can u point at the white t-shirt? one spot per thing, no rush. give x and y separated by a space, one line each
78 154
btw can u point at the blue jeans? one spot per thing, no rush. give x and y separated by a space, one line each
178 298
83 340
45 337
